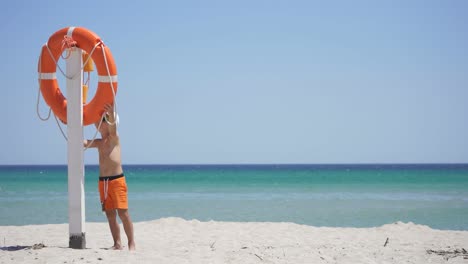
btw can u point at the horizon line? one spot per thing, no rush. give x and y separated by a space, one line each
255 164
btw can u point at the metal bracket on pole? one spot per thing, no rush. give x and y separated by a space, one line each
76 201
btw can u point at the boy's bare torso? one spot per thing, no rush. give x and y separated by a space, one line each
110 163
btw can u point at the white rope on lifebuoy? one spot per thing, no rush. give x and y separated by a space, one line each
111 80
38 95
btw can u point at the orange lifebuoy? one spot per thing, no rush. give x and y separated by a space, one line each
106 70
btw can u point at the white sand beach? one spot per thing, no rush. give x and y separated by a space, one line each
175 240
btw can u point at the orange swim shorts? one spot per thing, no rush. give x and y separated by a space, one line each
113 192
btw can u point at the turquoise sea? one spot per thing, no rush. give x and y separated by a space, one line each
321 195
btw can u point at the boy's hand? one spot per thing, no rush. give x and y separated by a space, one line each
109 109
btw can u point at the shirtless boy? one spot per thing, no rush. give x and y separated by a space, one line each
112 185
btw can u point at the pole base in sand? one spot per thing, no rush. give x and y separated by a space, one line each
77 241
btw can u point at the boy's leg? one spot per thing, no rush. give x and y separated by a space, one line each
114 227
128 227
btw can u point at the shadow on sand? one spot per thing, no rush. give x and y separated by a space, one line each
15 248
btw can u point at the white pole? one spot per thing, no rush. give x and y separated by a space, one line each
76 201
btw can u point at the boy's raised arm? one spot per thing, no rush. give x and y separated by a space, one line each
110 116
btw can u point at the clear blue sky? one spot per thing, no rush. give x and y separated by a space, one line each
254 81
